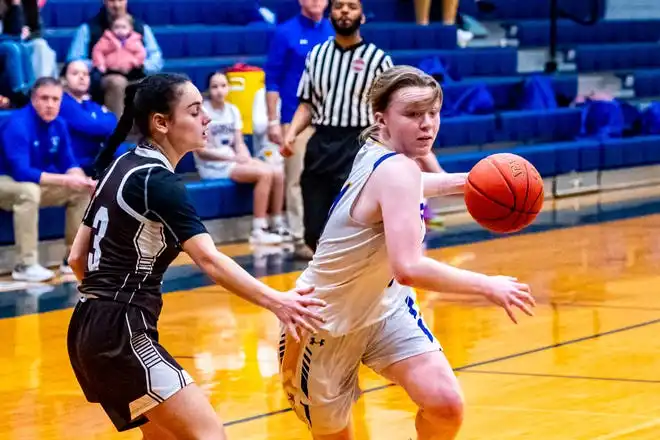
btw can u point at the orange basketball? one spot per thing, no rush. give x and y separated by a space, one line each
504 193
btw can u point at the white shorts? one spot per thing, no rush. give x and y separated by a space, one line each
320 374
216 170
271 155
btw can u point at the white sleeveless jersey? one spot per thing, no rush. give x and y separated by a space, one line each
350 269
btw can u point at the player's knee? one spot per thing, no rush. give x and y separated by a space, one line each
444 407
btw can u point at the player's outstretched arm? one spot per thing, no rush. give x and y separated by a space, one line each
292 307
443 184
396 185
166 201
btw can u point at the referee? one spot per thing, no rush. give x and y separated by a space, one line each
333 98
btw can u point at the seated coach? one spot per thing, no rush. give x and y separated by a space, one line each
37 168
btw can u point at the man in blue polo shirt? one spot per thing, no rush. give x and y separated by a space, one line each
292 41
37 168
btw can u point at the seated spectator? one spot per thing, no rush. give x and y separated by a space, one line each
16 71
32 13
120 50
26 29
227 156
37 168
112 86
89 123
16 75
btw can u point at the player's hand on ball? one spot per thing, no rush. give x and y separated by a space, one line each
292 309
508 293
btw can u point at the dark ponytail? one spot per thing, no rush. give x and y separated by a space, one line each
123 128
158 93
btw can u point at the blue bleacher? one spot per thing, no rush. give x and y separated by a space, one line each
51 225
222 40
70 13
510 125
466 130
554 159
506 89
466 62
540 125
616 57
198 50
4 114
515 126
646 83
527 9
217 199
535 33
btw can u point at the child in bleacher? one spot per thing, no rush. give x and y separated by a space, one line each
120 50
227 156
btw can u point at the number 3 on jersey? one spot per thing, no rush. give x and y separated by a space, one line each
100 224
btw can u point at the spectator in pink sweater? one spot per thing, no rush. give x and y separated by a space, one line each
120 50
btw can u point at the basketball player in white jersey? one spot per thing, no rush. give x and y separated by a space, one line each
369 259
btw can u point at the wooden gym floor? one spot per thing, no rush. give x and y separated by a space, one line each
585 367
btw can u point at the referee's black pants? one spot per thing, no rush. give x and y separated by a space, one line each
328 161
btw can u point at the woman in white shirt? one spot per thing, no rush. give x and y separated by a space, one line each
227 156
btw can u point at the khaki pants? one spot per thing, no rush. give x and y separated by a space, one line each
293 167
24 200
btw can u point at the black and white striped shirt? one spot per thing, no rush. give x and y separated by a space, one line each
336 82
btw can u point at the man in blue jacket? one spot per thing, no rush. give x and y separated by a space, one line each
37 168
291 42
